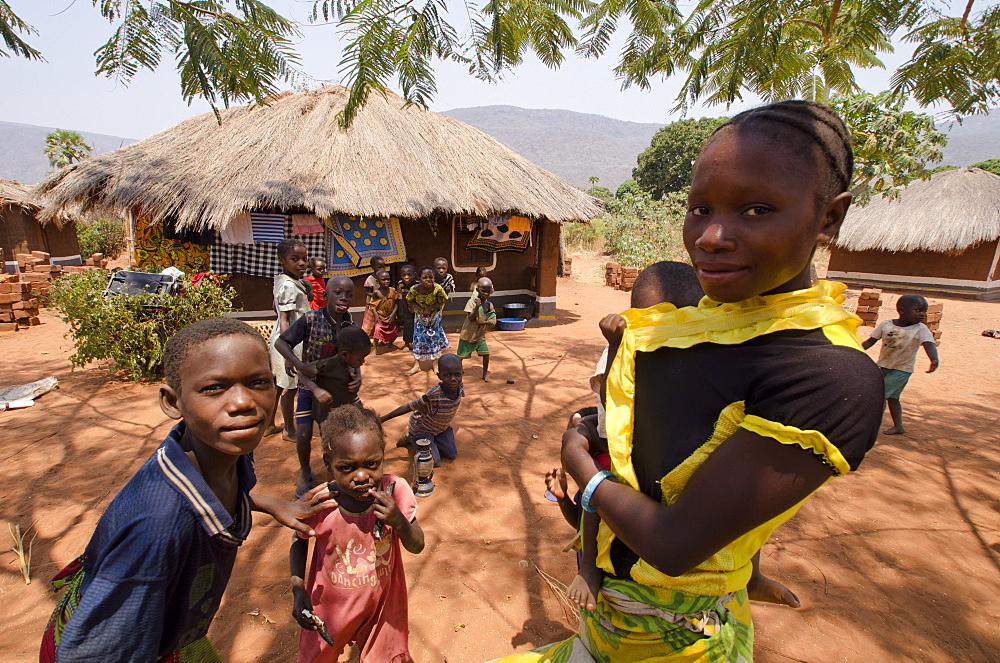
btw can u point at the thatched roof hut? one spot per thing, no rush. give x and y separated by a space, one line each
940 235
426 172
21 231
394 160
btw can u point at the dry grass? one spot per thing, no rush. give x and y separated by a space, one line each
23 555
951 211
291 155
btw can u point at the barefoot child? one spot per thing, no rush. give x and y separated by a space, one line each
384 302
371 285
317 279
355 584
335 375
427 300
154 572
723 418
291 301
407 279
314 337
482 317
433 412
901 338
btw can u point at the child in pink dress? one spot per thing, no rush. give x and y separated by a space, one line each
356 586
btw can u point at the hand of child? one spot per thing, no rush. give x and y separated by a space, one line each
309 370
355 384
300 602
555 482
613 327
289 368
387 510
934 365
291 514
576 458
323 396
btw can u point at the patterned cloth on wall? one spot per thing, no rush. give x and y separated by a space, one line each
153 251
259 258
503 233
370 237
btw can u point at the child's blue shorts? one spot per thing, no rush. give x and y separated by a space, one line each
895 380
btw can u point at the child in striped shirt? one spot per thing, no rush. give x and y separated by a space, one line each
433 412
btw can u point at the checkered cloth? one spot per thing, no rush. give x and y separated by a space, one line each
259 258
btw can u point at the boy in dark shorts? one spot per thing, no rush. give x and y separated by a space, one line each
482 317
433 412
901 338
331 387
317 332
153 574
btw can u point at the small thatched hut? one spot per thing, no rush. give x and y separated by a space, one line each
942 236
402 182
22 232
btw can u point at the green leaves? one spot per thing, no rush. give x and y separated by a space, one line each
64 147
666 165
10 25
222 56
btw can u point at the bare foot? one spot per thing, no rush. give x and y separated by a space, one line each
403 441
304 484
288 434
895 430
555 481
486 376
583 590
413 371
768 590
273 430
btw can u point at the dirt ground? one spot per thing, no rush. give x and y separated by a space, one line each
899 561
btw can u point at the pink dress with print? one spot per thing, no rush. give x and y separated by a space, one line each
357 584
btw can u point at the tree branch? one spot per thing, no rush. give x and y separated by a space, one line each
964 23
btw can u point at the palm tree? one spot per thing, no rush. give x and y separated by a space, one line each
64 147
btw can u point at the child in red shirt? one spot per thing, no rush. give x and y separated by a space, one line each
317 279
356 586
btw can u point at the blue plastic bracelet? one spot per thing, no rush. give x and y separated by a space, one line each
592 485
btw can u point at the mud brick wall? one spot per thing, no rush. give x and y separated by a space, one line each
933 321
20 293
619 277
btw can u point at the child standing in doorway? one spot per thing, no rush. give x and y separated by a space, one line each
291 301
317 279
427 300
482 317
901 338
355 585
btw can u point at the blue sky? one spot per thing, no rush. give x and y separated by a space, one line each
64 93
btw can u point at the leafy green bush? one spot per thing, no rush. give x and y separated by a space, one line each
105 235
992 165
121 329
640 231
585 236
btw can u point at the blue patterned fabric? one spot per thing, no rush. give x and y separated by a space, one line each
429 340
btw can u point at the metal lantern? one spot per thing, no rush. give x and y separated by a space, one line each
423 469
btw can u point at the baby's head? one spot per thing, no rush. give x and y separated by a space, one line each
317 267
667 281
769 185
911 309
353 345
353 450
219 381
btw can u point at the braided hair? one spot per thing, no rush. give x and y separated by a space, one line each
288 245
818 124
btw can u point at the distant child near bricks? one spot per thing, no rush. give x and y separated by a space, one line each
152 577
336 375
317 279
901 338
314 337
291 301
433 412
356 587
482 317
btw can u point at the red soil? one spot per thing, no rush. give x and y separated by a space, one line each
899 561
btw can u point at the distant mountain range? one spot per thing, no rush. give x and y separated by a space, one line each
574 146
22 150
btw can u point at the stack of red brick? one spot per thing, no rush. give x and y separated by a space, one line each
567 267
18 303
868 306
934 312
619 277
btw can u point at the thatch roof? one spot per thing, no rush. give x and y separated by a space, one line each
394 160
953 210
14 193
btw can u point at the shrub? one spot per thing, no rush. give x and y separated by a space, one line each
585 236
105 235
121 329
640 231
